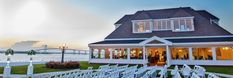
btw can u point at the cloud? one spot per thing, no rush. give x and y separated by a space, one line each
52 21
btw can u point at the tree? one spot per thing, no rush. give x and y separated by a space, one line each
9 52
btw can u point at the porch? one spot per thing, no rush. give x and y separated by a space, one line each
159 51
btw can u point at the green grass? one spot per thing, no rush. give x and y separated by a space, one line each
220 69
40 68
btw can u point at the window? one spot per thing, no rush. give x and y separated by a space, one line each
202 54
183 24
101 53
136 53
162 25
178 24
95 53
224 53
179 53
120 53
141 26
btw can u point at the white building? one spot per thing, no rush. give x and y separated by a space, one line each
171 36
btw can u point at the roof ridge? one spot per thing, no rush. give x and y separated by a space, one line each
167 9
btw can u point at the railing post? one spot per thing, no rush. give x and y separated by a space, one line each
30 69
7 70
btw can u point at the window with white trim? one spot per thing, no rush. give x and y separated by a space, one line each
178 24
183 24
162 25
142 26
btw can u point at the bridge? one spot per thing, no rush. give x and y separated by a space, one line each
58 50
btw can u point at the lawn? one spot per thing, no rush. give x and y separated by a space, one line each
40 68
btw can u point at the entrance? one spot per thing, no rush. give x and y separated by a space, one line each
156 56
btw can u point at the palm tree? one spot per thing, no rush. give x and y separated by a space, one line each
9 52
31 53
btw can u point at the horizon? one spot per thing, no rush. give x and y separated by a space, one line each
75 22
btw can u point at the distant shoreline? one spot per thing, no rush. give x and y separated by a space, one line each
23 52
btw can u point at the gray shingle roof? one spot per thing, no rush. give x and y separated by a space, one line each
202 25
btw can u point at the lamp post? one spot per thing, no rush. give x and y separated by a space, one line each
63 47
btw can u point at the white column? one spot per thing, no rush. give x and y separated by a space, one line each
99 53
111 50
144 55
144 52
214 53
90 53
168 55
128 54
190 54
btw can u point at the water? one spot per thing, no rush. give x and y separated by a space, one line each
19 57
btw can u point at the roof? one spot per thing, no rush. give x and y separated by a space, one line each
215 39
202 25
123 19
173 40
119 42
207 14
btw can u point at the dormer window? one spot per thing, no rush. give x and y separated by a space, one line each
141 26
183 24
178 24
162 24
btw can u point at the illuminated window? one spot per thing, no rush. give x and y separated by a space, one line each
120 53
224 53
141 26
179 53
202 54
136 53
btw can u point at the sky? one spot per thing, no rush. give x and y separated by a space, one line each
77 23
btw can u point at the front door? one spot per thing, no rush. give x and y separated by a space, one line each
156 56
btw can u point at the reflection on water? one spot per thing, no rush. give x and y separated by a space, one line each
45 57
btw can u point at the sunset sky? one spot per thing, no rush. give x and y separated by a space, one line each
79 22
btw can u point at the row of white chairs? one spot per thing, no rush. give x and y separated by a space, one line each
152 73
126 71
187 72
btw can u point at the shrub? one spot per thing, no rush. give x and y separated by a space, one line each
65 65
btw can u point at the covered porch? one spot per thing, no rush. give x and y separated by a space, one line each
153 51
161 51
